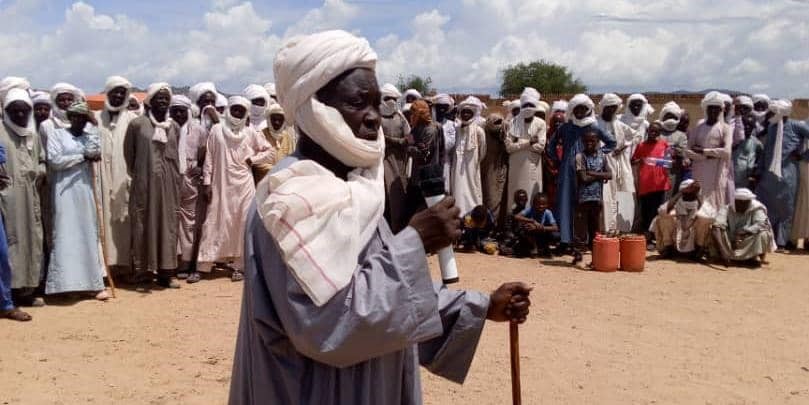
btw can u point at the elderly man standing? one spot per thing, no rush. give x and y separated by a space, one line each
152 160
709 148
777 176
619 192
525 144
396 130
353 331
113 122
742 231
20 204
442 106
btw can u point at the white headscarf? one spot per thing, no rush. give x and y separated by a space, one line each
139 111
611 99
780 110
12 82
444 98
182 149
744 194
160 128
113 82
713 98
760 114
577 100
276 109
543 106
235 129
529 102
412 92
321 222
728 112
221 100
258 114
196 91
41 97
745 100
26 132
472 103
58 115
270 87
670 124
388 108
559 105
640 120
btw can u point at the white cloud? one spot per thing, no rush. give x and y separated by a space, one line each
620 45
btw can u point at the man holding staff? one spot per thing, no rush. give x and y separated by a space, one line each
337 309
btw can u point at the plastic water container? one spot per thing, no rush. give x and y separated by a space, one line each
606 254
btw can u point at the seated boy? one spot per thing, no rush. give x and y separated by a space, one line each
508 239
476 229
536 227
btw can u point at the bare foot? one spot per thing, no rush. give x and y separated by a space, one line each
16 315
103 295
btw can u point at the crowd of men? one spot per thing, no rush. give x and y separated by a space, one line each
161 191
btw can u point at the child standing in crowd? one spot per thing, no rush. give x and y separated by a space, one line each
592 172
537 226
653 178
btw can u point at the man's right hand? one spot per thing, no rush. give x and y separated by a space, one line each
212 114
439 226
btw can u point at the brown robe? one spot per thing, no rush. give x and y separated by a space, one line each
494 173
395 129
154 199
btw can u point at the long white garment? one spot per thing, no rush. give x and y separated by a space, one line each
618 195
449 149
470 148
525 145
800 223
115 182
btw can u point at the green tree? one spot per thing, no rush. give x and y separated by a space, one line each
542 75
424 85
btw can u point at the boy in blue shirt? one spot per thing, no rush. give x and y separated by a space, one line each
537 226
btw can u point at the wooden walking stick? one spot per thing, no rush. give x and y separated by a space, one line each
514 345
101 234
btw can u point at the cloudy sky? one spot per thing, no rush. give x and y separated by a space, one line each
617 45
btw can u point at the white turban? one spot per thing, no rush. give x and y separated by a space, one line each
12 82
610 99
670 124
320 241
473 103
577 100
306 64
744 194
543 106
41 97
647 109
153 89
26 132
196 91
270 87
685 184
780 109
559 105
258 114
62 88
412 92
444 98
761 97
529 100
745 100
180 101
726 98
389 90
713 98
114 82
221 101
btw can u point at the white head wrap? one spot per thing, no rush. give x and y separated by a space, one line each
745 100
321 222
196 91
139 111
160 128
234 128
543 106
744 194
111 83
180 100
27 132
41 97
637 122
444 98
59 116
390 107
182 146
472 103
760 97
713 98
780 109
529 101
12 82
412 92
611 99
670 124
258 114
559 105
685 184
757 98
273 110
221 101
577 100
270 87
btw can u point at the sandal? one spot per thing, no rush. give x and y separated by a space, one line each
183 275
193 277
237 276
16 315
168 282
103 295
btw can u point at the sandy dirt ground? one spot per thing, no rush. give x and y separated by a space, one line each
674 334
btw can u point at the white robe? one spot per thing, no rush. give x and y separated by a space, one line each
525 156
470 148
115 182
800 224
619 193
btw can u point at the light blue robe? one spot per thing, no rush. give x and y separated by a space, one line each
75 263
569 136
780 195
363 346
